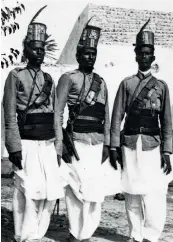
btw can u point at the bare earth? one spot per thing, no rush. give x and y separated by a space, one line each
113 225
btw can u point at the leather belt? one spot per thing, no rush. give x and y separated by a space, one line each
142 130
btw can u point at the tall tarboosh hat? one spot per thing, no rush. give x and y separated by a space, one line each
90 36
36 31
145 38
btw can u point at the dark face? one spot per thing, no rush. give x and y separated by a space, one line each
144 58
86 58
36 56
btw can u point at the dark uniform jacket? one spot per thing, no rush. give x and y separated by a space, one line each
157 102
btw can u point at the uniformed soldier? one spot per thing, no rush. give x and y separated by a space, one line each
33 139
85 93
144 146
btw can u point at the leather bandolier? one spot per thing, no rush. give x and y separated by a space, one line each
85 116
37 126
140 120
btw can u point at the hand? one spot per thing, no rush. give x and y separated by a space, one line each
116 156
166 164
59 160
120 157
16 158
67 158
65 155
105 153
113 158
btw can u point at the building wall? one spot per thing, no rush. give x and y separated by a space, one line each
120 25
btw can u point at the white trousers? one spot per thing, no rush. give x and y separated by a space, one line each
146 215
84 194
145 186
89 182
40 177
142 171
37 186
84 217
31 217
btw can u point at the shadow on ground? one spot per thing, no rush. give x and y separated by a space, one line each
7 226
109 234
58 231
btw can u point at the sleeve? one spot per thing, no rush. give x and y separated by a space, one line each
57 124
12 136
118 115
166 123
107 120
62 90
2 131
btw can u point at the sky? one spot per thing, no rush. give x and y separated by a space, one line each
60 16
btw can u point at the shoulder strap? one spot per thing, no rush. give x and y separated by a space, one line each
138 103
45 92
76 108
32 89
95 87
24 112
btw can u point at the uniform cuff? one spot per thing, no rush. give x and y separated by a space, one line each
166 153
107 140
58 147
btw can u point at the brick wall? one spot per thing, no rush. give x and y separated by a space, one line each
120 26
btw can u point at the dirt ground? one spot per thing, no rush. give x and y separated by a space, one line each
113 226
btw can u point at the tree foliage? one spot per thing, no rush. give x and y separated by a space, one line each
9 26
50 48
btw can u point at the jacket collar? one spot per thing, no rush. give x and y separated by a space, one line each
142 75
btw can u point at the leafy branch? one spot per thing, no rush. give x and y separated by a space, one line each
7 15
9 26
7 59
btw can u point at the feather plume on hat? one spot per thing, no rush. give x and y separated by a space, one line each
143 27
144 37
37 13
50 44
90 36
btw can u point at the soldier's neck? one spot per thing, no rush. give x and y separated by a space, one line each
34 66
86 70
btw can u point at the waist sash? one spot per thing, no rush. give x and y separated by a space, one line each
38 126
145 123
91 119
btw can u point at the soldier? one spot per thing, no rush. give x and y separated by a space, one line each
34 140
85 93
145 142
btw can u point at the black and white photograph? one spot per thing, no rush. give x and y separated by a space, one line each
86 120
